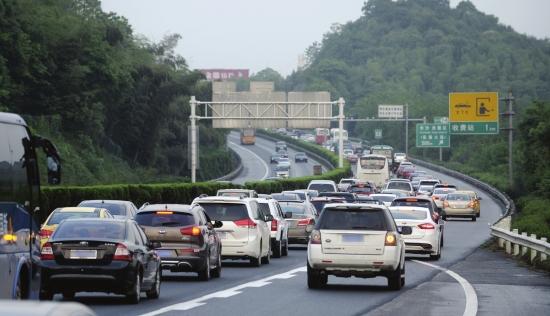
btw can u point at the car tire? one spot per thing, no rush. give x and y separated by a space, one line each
285 249
257 262
437 256
154 292
68 295
134 296
474 218
204 274
478 215
45 295
315 280
394 280
277 249
217 271
267 258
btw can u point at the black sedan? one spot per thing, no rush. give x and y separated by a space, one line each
99 255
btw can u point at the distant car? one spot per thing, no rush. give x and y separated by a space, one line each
300 157
345 183
283 162
347 196
283 153
322 186
439 194
425 189
117 208
99 255
280 145
320 202
398 193
460 204
274 158
399 157
238 193
400 185
301 219
427 234
362 189
430 182
356 240
279 226
384 198
188 241
281 171
420 201
60 214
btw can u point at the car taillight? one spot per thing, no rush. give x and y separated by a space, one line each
305 222
191 231
391 240
45 233
445 204
122 253
434 197
274 225
247 222
46 253
426 226
471 204
315 237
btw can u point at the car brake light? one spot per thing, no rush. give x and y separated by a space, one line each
315 237
426 226
122 253
46 253
434 197
471 204
305 222
164 213
45 233
191 231
390 239
274 225
445 204
247 222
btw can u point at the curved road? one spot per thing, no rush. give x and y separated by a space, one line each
280 288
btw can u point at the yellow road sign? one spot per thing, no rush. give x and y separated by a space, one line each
473 107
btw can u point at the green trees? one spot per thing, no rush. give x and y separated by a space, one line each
110 92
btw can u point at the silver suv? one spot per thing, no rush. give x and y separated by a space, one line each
358 240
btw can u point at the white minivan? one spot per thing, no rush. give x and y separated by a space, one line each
279 226
245 233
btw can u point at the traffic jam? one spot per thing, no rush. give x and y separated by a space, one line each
362 226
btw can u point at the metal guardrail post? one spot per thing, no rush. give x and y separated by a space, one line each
523 248
543 256
515 246
533 251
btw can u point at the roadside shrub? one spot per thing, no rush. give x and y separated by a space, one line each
534 216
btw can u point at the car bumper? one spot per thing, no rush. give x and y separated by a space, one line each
116 277
459 212
298 235
249 250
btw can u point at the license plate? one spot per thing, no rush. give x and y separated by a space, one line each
352 238
222 235
83 254
165 253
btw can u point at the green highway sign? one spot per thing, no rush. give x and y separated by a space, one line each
441 119
465 128
433 135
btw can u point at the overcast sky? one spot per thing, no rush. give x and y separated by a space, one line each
255 34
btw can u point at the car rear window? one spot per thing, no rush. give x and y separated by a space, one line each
165 219
57 217
294 208
353 219
91 229
225 211
399 185
411 202
235 194
285 197
414 214
458 197
322 187
114 209
360 189
443 191
384 198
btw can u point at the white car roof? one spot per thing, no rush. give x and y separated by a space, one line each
321 181
222 199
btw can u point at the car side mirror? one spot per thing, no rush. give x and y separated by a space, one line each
154 244
405 230
288 215
217 224
268 218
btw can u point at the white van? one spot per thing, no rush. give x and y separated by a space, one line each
373 168
244 234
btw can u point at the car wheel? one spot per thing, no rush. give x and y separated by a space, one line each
257 262
478 214
267 258
277 249
45 295
154 292
436 256
394 280
134 296
217 272
285 249
204 274
474 218
68 295
315 280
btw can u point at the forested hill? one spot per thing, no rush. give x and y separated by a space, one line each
114 103
418 51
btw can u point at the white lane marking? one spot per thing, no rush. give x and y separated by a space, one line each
471 296
183 306
266 174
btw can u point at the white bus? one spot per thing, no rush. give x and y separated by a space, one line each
373 168
335 134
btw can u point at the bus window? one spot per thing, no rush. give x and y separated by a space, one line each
372 163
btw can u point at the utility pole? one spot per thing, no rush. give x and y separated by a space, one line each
193 118
510 114
341 117
406 130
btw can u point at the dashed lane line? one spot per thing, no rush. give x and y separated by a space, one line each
471 296
187 305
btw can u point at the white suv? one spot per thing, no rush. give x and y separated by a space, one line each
358 240
245 233
279 226
322 186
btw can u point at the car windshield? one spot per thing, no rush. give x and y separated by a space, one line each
352 219
414 214
164 218
113 208
322 187
58 216
225 211
91 229
372 162
399 185
458 197
294 208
